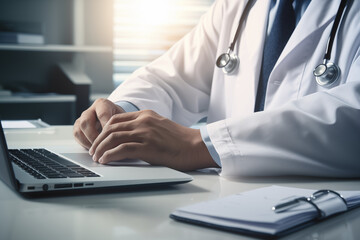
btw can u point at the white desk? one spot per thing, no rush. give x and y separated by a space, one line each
142 214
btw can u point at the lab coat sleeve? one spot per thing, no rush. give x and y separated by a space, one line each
317 135
206 139
177 85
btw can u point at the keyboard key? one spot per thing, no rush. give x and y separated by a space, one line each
73 175
56 158
42 163
55 176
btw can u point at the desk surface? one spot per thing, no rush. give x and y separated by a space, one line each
142 214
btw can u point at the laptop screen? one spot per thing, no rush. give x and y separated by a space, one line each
6 170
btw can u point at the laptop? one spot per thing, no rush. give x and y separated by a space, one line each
40 171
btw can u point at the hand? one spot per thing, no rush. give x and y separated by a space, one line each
150 137
88 126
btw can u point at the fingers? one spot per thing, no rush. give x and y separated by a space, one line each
118 123
111 141
150 137
80 137
104 110
89 125
120 130
124 151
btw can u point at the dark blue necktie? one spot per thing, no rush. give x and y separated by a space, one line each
283 26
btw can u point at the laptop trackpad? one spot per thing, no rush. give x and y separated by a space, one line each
86 160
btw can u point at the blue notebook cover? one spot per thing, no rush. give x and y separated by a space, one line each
252 212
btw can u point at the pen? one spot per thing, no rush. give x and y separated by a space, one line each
288 205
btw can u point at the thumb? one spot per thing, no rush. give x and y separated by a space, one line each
106 110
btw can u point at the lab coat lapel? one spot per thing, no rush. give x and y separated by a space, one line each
310 23
250 55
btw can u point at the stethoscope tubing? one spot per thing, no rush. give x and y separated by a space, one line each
334 29
241 22
228 61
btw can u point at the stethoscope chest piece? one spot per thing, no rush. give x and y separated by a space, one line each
326 74
228 62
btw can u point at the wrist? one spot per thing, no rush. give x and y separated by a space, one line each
202 157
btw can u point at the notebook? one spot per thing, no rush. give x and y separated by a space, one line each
37 171
269 212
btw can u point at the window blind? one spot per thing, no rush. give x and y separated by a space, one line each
145 29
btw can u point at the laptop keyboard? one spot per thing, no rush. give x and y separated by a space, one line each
41 164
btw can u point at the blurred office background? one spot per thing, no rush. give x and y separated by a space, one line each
58 56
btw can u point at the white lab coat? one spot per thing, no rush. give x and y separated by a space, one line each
304 130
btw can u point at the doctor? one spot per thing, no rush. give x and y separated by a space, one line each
260 122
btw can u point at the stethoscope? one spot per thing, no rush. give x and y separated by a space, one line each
325 73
